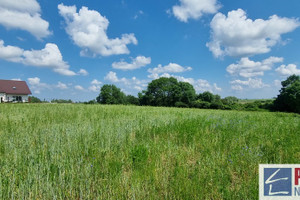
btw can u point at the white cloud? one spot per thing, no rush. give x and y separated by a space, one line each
96 82
49 57
10 53
247 68
30 6
132 83
253 83
170 68
217 88
79 87
87 28
194 9
24 15
238 36
201 85
61 86
83 72
112 77
36 86
34 81
288 70
237 87
95 86
138 62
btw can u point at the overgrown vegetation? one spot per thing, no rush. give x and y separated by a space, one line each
76 151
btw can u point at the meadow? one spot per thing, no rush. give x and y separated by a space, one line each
75 151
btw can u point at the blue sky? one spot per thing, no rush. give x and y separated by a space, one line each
69 49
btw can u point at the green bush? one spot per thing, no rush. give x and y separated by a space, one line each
201 104
180 104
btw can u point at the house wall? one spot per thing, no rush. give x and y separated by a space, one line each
3 96
10 97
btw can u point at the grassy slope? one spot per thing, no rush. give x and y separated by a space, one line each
126 152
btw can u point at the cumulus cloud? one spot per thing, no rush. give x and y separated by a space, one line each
95 86
253 83
88 30
79 87
10 53
36 85
61 86
170 68
201 85
24 15
194 9
112 77
49 57
83 72
237 87
96 82
138 62
247 68
288 70
132 83
238 36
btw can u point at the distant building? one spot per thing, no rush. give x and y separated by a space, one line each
14 91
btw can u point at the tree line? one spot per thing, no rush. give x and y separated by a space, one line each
170 92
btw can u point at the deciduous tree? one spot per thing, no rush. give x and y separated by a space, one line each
110 94
289 98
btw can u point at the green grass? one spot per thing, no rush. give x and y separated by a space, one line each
126 152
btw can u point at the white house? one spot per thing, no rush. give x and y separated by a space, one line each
14 91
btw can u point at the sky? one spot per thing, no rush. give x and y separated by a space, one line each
69 49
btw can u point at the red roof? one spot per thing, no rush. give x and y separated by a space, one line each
14 87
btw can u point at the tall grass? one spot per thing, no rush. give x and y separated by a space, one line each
126 152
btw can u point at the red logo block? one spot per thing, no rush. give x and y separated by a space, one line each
297 176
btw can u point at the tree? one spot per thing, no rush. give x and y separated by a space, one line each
207 96
187 93
231 103
230 100
167 92
34 99
289 98
160 92
110 94
132 100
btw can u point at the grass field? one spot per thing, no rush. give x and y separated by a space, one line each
74 151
